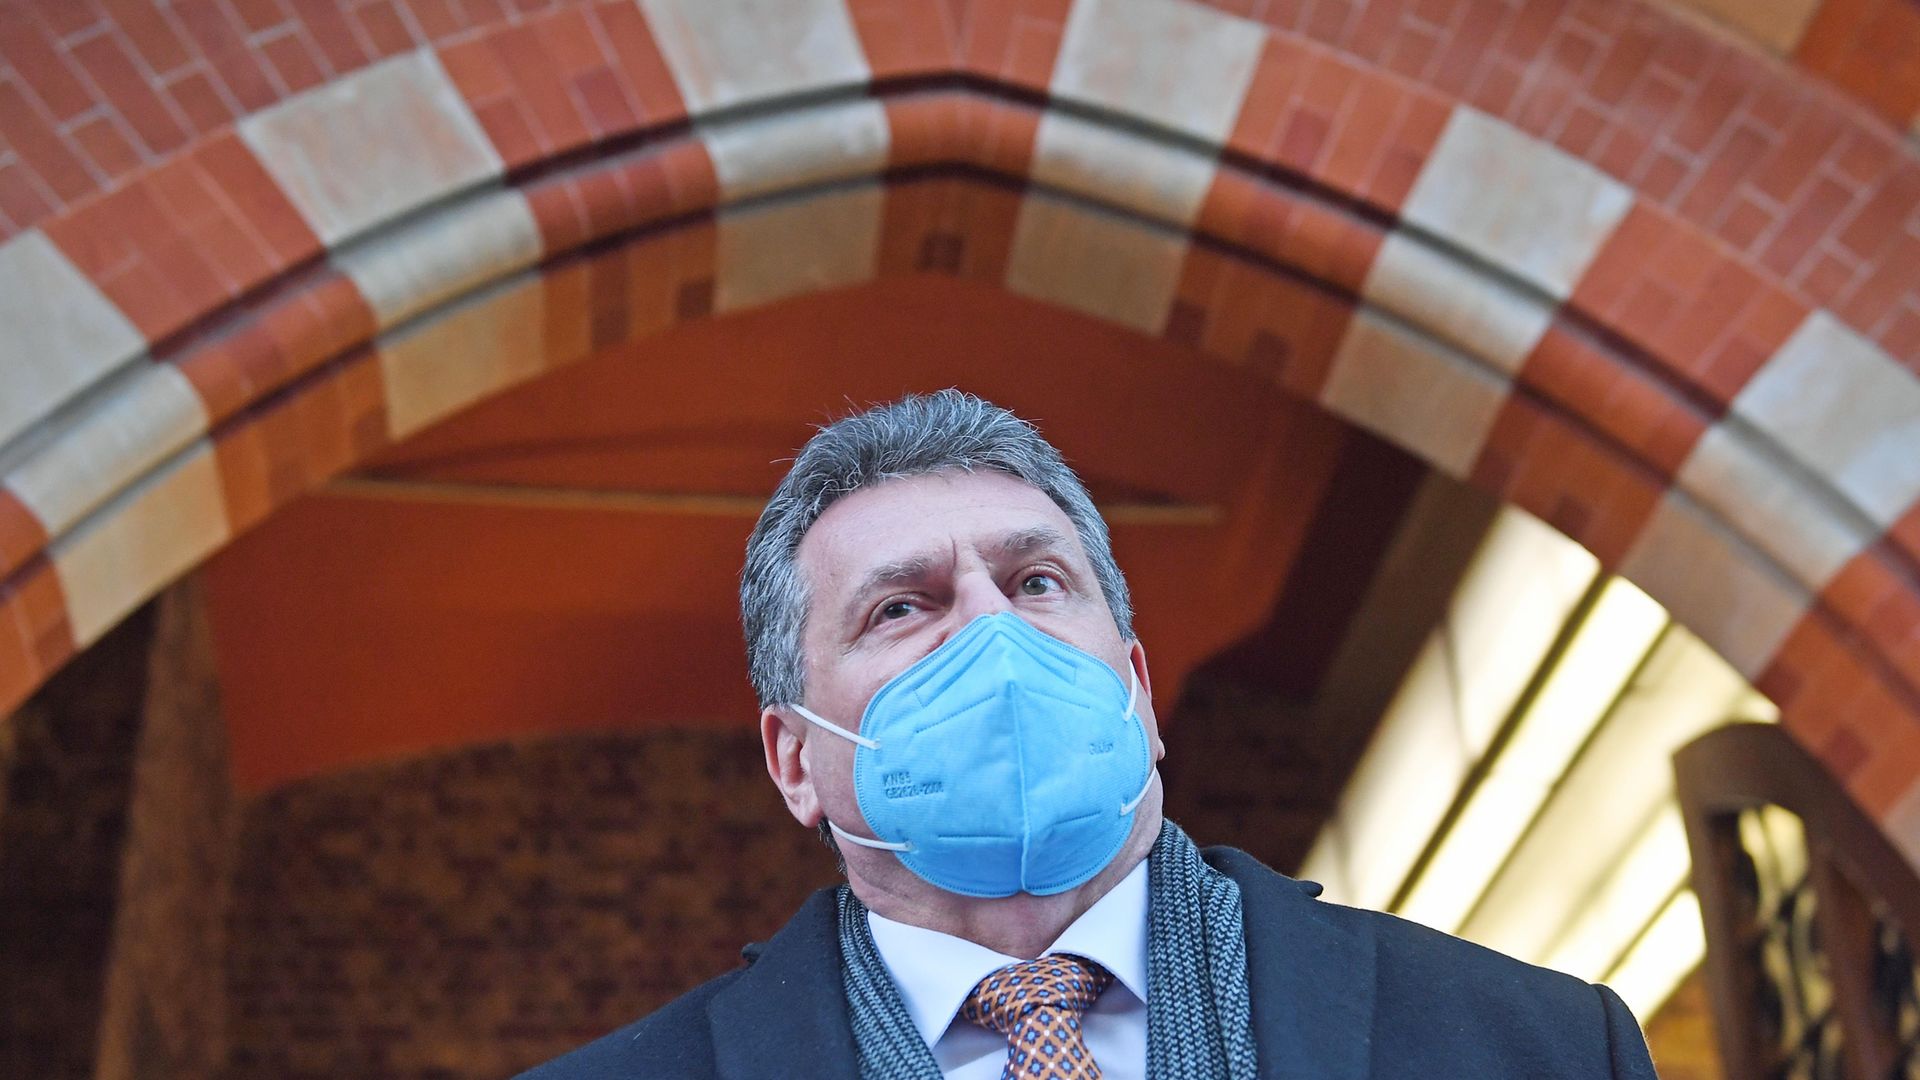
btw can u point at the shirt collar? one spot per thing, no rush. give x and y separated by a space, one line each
935 972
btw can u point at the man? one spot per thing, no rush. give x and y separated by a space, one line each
942 646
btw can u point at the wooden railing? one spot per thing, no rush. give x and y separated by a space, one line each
1810 914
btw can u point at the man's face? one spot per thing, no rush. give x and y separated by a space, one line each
896 569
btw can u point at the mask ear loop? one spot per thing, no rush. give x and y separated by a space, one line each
857 740
864 842
1133 698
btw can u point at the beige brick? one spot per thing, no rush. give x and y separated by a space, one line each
1485 315
793 247
143 419
840 141
1414 390
372 146
1714 583
1845 409
408 269
1152 178
434 367
1095 262
61 337
1523 205
134 546
725 52
1777 24
1744 479
1180 65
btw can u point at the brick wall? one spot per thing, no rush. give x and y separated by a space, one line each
61 831
470 914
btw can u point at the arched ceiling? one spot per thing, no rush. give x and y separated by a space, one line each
565 556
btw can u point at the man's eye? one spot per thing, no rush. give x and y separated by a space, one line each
898 609
1038 584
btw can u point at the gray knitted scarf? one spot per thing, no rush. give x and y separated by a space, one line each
1198 1022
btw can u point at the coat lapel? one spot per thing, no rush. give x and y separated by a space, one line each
1310 975
787 1013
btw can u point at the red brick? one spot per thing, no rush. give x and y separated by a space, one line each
903 38
42 66
568 36
114 71
645 73
68 19
1460 56
486 12
1626 59
1866 155
1422 119
259 16
1803 147
1014 40
1265 109
294 62
383 28
1569 370
20 672
1583 128
109 150
1884 215
226 52
229 163
536 74
332 33
245 481
145 26
608 110
40 605
1806 224
1663 176
1413 53
1901 336
511 132
1708 112
1889 284
437 19
1743 223
21 534
1372 32
1496 88
1351 158
1331 23
38 146
20 197
1824 276
1634 246
201 103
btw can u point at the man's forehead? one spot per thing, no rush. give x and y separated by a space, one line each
931 516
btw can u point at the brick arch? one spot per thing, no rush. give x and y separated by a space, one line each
248 318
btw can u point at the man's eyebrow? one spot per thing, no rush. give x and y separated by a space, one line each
887 575
1029 540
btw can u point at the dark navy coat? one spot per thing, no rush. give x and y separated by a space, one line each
1337 994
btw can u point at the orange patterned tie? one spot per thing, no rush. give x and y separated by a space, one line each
1037 1004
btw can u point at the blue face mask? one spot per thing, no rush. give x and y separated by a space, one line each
1005 761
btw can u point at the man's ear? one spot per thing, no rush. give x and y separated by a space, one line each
785 743
1137 656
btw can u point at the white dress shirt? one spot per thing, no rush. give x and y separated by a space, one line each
934 972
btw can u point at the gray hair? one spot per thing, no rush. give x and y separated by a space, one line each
917 435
